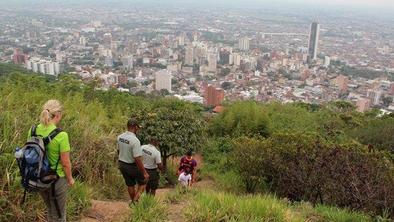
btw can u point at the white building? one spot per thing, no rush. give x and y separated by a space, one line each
189 55
50 68
212 62
163 80
82 40
128 62
374 96
35 66
237 59
243 44
41 67
327 61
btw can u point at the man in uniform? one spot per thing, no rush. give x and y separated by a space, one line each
130 160
152 162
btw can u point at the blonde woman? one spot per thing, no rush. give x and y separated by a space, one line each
58 153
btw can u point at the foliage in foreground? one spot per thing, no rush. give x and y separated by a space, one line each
305 167
209 206
92 118
34 210
148 208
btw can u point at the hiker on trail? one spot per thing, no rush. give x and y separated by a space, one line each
185 178
58 154
188 163
130 160
152 163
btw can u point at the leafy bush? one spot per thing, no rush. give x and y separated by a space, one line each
377 132
305 167
242 118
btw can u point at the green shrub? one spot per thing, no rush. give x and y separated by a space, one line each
241 118
305 167
148 209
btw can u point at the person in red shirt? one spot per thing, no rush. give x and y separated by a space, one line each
189 164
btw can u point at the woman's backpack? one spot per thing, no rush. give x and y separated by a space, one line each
33 162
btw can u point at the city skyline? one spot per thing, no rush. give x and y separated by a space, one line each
261 53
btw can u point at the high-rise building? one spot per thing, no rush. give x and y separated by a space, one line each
18 57
163 80
327 61
374 96
237 59
35 66
109 61
392 89
50 68
224 57
189 55
107 40
42 67
363 105
212 62
57 68
213 96
128 62
83 40
181 39
313 41
243 44
342 83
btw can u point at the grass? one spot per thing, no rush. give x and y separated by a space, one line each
209 206
79 197
148 209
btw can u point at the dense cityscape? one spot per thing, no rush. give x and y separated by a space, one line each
209 55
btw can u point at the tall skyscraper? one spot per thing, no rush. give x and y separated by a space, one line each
163 80
189 55
243 44
313 41
212 62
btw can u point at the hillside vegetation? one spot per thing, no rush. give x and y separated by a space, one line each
299 152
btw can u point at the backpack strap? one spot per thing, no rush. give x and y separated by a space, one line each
51 136
33 131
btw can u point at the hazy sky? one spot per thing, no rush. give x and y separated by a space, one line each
386 4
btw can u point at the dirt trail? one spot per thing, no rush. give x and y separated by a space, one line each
118 211
106 211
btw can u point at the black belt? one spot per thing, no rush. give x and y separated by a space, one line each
127 163
150 169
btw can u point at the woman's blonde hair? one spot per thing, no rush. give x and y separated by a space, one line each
49 110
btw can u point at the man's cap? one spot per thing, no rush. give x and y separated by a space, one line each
133 122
